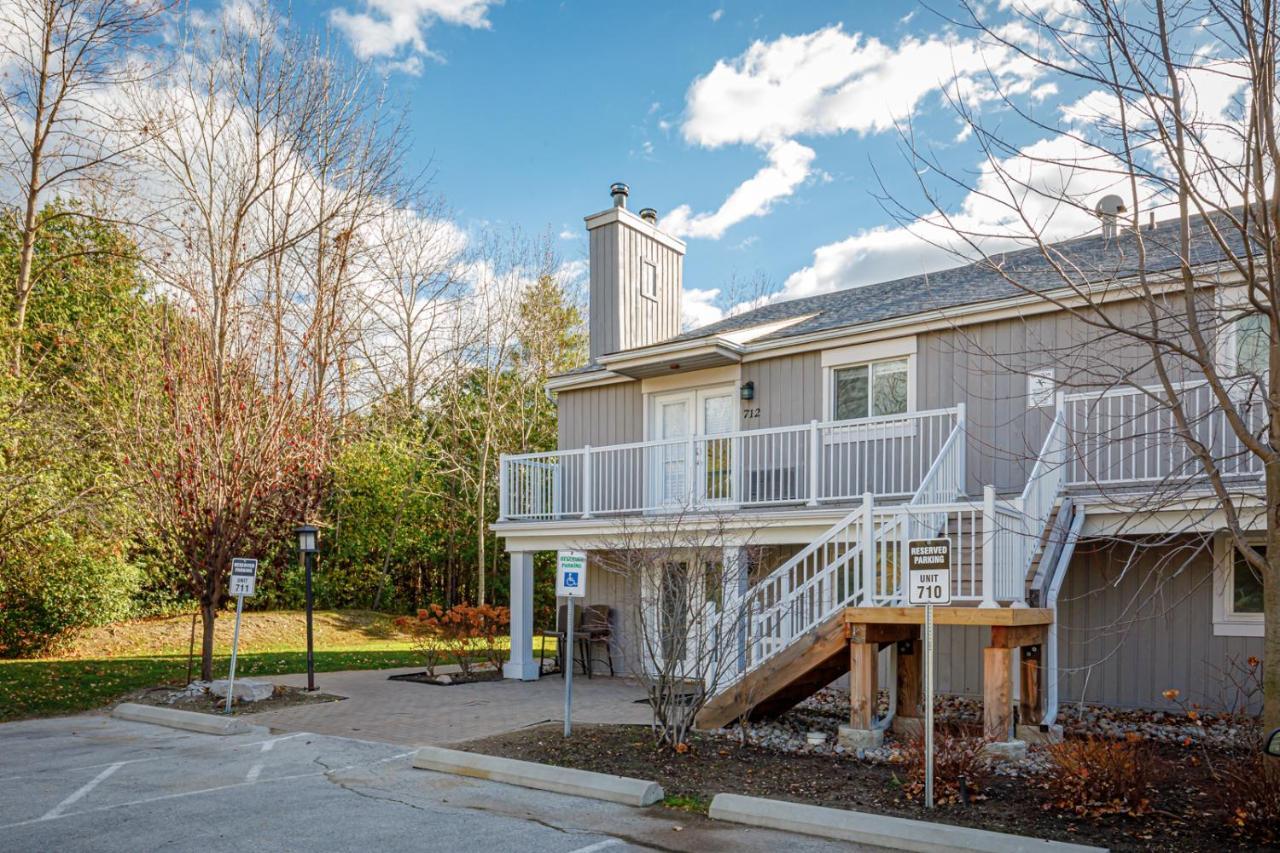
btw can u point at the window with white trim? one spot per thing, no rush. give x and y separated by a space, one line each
1237 592
871 389
1250 349
648 280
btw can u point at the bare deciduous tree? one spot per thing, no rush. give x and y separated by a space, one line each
686 615
63 64
1177 115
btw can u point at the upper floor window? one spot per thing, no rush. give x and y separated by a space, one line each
648 280
1252 344
868 390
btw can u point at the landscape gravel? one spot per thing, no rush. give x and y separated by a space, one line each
828 709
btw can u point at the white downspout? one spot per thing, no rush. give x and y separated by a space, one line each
1051 601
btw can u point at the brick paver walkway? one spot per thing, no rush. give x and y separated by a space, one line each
403 712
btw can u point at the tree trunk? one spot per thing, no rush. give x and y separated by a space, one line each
1271 607
208 612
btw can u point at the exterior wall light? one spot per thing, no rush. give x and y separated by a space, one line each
748 391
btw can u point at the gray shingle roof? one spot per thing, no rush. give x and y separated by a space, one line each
1090 259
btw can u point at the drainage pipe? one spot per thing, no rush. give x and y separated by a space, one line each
1051 601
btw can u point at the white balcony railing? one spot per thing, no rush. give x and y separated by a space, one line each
1129 436
812 464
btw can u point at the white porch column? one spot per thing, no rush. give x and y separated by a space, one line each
521 664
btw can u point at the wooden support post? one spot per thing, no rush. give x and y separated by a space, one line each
909 678
997 694
863 686
1030 705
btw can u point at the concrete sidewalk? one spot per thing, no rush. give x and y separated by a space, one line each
411 714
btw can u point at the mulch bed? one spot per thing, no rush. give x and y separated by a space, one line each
450 679
281 697
1183 815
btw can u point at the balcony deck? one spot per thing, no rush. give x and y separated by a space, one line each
810 465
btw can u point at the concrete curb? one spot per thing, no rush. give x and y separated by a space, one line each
894 833
561 780
191 721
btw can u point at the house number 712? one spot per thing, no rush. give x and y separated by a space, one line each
749 414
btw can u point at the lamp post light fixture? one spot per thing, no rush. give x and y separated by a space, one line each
307 548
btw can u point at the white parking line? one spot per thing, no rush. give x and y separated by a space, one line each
84 789
599 845
77 768
56 812
254 772
268 744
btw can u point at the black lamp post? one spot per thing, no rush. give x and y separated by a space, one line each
307 548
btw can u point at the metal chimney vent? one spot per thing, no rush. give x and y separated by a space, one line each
619 193
648 214
1108 208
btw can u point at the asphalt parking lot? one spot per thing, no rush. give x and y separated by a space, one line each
94 783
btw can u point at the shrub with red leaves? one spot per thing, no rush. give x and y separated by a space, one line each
955 758
1094 776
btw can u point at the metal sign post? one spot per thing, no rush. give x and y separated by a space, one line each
928 583
571 583
244 580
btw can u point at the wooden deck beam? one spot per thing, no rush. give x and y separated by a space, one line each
1004 616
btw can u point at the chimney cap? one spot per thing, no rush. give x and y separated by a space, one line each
650 215
619 191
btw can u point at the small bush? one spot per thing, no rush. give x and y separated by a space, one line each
1095 776
1249 791
955 758
458 634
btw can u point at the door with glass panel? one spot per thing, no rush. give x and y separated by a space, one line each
715 455
673 423
676 418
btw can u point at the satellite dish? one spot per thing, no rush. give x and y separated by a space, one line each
1109 207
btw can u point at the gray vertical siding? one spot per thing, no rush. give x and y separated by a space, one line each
1130 629
609 414
788 390
620 317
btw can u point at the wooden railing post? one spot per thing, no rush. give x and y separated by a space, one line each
503 497
586 481
962 451
988 547
815 461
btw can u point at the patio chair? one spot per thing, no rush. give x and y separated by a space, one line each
596 625
579 639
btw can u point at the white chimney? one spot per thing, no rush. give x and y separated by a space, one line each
637 272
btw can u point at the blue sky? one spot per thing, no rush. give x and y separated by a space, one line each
759 131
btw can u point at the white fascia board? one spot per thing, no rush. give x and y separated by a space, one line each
621 214
593 379
742 336
743 527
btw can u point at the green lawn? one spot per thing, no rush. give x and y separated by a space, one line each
106 663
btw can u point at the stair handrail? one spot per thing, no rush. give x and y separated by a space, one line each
943 483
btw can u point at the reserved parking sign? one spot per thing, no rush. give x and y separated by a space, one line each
571 574
929 571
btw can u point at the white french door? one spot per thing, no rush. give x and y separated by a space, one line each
675 418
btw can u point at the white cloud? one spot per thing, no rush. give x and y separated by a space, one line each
698 307
789 166
717 15
385 29
824 83
830 82
568 233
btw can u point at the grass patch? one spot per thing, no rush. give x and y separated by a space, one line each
105 663
687 803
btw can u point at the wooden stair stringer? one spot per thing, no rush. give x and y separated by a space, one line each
810 663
